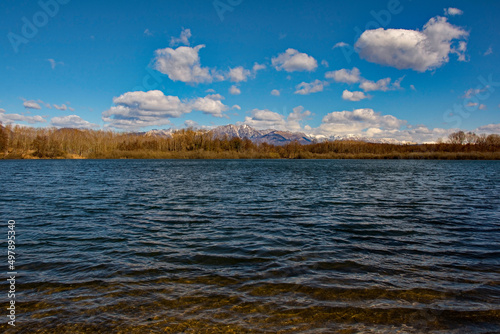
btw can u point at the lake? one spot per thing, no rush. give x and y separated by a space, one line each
253 246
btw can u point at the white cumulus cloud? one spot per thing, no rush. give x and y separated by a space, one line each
305 88
182 39
183 64
31 105
357 121
366 123
265 119
258 67
354 76
296 117
382 85
72 121
191 124
134 110
345 75
340 45
452 11
61 107
210 104
14 118
275 92
353 96
489 129
293 61
413 49
239 74
234 90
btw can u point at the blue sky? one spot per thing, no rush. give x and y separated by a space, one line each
409 70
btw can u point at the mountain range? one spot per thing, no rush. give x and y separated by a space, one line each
273 137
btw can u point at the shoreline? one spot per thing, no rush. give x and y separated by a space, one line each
483 156
23 143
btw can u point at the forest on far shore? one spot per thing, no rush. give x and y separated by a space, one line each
19 142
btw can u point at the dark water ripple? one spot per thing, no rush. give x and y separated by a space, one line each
255 246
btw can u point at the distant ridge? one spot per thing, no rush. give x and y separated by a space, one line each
275 137
270 136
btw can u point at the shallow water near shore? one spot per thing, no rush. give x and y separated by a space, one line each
259 246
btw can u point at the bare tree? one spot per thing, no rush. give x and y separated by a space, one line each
4 139
457 138
493 140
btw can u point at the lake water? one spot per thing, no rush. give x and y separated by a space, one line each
261 246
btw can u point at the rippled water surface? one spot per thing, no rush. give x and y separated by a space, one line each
352 246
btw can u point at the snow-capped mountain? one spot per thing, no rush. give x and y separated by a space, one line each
232 131
160 133
363 139
269 136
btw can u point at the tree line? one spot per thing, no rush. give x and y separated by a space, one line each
19 142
